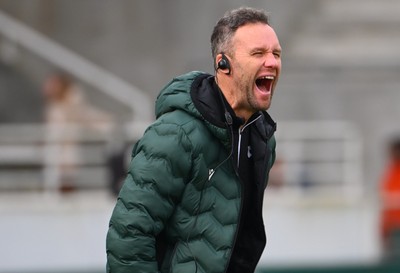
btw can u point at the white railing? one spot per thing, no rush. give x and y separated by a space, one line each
325 154
322 155
30 153
77 66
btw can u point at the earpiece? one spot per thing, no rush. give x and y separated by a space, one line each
224 64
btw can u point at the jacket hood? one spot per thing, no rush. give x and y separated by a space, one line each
198 95
193 95
176 96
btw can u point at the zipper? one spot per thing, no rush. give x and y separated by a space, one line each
241 199
239 144
241 188
240 137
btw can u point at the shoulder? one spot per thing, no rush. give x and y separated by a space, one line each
182 82
176 95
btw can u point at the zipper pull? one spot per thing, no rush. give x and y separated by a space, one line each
210 174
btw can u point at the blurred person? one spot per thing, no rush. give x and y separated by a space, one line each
276 175
66 114
390 195
193 197
117 159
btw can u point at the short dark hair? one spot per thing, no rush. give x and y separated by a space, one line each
394 148
230 22
63 78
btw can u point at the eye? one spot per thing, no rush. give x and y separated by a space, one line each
277 54
258 53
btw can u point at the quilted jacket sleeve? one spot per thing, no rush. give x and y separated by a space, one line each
161 163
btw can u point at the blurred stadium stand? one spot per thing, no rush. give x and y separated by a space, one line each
24 95
336 104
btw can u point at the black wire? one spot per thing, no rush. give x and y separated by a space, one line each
229 122
202 191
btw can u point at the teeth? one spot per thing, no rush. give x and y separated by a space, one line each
267 78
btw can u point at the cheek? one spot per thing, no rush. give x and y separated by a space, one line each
279 67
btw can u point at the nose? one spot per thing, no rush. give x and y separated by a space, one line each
271 60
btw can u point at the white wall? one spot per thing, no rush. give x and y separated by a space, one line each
50 233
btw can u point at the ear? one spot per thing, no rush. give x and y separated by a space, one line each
218 59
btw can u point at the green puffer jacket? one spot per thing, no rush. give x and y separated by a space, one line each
179 208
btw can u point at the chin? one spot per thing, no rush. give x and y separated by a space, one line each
266 106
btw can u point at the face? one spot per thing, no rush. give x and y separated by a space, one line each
53 89
256 66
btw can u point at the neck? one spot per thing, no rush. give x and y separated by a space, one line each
225 85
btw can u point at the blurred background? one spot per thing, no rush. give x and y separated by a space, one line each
78 81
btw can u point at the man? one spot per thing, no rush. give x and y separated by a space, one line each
192 200
66 113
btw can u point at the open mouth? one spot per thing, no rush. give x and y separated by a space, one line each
264 83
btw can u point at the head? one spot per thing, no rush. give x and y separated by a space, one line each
247 58
56 87
394 149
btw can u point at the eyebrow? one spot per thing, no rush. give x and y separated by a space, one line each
278 49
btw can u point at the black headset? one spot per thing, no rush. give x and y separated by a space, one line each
224 64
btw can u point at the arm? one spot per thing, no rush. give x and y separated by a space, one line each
272 158
156 179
